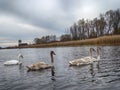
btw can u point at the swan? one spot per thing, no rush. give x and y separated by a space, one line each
41 65
14 62
98 53
84 60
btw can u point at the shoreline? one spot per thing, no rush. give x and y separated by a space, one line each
113 40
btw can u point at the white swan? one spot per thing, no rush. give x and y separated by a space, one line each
41 65
98 53
14 62
84 60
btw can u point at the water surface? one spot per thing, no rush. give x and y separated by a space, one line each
102 75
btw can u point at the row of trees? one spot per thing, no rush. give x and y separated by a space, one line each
52 38
45 39
105 24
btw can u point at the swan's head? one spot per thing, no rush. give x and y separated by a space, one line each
98 49
20 55
52 53
92 49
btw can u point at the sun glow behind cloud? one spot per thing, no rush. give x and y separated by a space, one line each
87 11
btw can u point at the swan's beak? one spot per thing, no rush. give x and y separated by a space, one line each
93 49
99 48
22 56
54 53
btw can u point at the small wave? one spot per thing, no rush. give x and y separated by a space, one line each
117 79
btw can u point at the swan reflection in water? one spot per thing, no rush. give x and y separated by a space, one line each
53 73
92 71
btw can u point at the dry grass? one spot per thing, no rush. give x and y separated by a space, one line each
105 40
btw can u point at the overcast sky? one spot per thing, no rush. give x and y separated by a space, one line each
27 19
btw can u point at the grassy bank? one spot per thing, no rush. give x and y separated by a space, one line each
105 40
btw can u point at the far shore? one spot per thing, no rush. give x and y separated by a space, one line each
113 40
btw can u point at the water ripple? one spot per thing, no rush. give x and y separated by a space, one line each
101 75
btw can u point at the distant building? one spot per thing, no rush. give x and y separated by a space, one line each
21 44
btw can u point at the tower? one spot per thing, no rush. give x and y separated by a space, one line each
19 42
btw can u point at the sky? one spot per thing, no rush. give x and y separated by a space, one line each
28 19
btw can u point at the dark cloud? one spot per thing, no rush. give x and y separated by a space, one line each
40 19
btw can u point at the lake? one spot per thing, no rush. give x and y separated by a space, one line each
102 75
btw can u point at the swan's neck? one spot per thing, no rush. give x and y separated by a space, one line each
98 54
19 59
91 53
52 60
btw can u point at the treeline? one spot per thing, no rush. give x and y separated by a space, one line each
106 24
52 38
45 39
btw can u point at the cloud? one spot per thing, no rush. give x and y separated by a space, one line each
27 19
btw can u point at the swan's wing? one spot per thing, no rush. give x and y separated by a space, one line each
86 59
11 62
81 61
39 65
78 62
